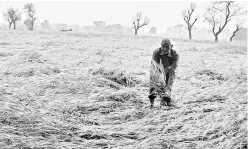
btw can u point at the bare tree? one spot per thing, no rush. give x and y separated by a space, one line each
220 14
137 24
12 15
187 16
7 17
238 26
30 11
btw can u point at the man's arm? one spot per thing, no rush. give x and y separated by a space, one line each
155 56
175 59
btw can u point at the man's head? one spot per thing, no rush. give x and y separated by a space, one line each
166 46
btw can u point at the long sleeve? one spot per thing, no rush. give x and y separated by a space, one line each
175 59
155 56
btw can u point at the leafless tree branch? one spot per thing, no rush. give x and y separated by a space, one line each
137 24
238 26
220 13
187 16
30 11
12 15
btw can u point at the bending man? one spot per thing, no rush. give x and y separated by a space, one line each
162 72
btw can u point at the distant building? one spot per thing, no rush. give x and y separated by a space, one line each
179 26
153 30
127 29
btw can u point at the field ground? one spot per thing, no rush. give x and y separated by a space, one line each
75 90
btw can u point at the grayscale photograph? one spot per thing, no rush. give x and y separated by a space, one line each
123 74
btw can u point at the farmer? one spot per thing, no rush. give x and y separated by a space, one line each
162 73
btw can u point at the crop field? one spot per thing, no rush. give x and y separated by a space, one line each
83 90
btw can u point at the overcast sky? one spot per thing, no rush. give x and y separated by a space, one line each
161 13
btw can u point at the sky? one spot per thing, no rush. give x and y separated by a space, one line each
161 13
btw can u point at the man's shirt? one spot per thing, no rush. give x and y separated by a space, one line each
169 59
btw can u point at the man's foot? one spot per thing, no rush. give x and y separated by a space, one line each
152 97
165 101
151 106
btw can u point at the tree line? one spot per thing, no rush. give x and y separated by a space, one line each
13 15
217 15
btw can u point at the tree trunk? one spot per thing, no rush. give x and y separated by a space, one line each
32 25
14 25
10 23
232 37
136 32
190 37
216 38
234 34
